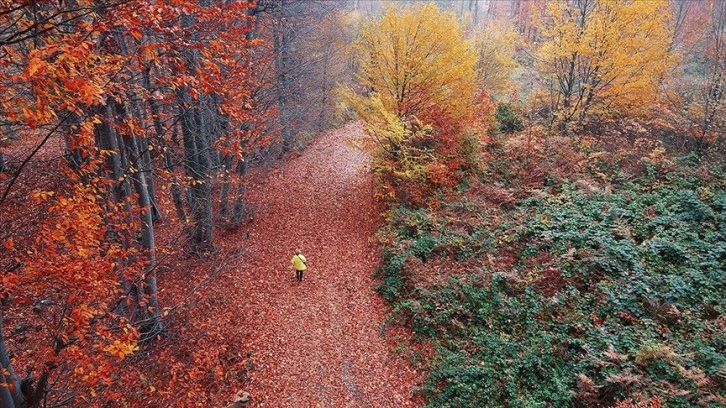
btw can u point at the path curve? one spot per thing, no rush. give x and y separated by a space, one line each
319 343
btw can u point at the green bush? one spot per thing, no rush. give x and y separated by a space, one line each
507 120
633 304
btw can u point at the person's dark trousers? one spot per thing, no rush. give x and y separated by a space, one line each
299 274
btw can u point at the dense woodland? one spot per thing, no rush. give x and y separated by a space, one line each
551 173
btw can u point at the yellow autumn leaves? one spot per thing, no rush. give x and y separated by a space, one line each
603 57
591 58
416 60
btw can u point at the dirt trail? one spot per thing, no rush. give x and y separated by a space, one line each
319 343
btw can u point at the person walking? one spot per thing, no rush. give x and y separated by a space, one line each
300 264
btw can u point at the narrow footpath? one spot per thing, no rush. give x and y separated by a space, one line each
319 343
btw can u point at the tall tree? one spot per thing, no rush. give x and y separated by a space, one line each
417 62
82 69
306 50
599 57
417 92
496 44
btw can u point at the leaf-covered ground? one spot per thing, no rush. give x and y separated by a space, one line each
239 320
318 343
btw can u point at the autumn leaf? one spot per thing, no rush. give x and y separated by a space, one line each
34 65
136 33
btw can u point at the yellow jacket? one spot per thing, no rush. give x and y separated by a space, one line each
299 262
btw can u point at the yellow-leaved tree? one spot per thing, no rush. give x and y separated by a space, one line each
496 43
603 57
417 76
416 60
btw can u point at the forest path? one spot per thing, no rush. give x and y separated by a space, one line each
318 343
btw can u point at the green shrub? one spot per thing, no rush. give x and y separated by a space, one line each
637 307
507 120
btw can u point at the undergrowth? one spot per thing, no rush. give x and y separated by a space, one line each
577 295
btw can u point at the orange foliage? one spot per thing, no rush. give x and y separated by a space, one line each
77 69
535 156
71 274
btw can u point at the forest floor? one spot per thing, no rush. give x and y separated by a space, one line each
318 343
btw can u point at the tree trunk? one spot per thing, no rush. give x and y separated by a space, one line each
211 129
151 324
142 177
226 185
199 197
282 66
322 122
239 205
108 140
176 193
196 159
146 165
474 10
176 189
142 154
